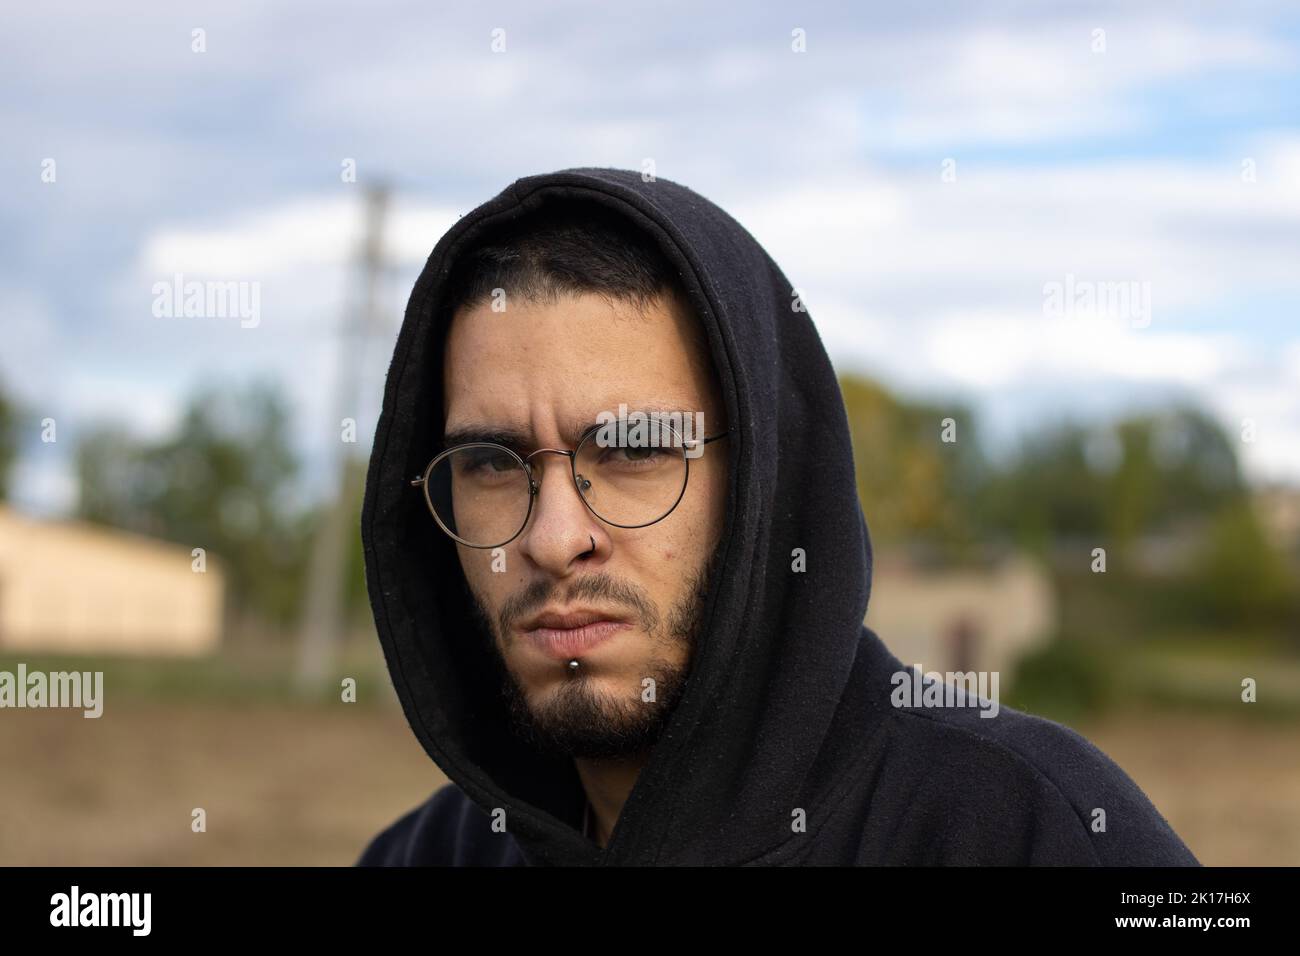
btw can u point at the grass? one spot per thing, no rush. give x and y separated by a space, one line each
1073 678
246 675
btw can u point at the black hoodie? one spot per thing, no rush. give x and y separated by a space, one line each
785 747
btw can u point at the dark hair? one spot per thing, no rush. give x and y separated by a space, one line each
568 247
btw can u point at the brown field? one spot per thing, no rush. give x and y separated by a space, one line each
310 785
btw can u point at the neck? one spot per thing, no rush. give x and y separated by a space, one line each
608 783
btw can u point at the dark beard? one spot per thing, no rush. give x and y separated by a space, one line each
578 720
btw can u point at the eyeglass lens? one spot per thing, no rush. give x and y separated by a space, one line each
480 492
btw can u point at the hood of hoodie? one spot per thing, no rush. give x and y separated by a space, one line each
777 643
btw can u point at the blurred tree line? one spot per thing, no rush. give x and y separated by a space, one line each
1162 493
9 416
227 479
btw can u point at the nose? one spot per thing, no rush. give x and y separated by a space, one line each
561 531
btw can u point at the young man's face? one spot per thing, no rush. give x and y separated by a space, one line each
546 370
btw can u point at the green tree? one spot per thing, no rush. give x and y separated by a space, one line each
1047 490
1238 577
1114 482
914 486
224 481
1174 466
9 416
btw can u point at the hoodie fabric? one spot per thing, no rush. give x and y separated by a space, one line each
785 747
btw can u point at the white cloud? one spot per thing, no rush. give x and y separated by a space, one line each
1195 231
989 351
937 285
1043 81
315 231
940 286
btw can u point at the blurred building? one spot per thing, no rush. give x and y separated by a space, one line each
962 620
70 587
1278 509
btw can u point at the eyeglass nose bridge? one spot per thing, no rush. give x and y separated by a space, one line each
582 483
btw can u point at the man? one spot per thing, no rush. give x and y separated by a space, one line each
623 653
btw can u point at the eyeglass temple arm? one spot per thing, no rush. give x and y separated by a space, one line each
704 441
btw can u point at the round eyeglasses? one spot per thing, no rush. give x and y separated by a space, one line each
482 493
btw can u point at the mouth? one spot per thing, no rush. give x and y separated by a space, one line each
568 634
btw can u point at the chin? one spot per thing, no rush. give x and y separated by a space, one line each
541 683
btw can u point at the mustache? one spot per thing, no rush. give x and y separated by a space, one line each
601 587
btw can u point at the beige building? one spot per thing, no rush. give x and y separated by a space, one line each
961 620
1278 509
76 588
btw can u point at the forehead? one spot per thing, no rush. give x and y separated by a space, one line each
569 358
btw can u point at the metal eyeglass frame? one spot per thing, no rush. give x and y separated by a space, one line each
525 461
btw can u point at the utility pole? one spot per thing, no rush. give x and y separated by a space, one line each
322 616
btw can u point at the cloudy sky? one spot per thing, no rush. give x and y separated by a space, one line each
930 176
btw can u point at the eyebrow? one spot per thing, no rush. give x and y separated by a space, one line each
519 439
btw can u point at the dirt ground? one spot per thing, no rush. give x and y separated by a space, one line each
310 786
279 785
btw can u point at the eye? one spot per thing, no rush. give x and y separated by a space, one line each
635 457
488 460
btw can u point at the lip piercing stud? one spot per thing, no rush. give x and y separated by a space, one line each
573 667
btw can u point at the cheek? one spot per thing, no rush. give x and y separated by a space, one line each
681 543
489 577
705 511
715 507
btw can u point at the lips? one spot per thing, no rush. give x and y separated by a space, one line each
568 634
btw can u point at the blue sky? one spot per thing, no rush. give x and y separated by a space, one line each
1114 164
